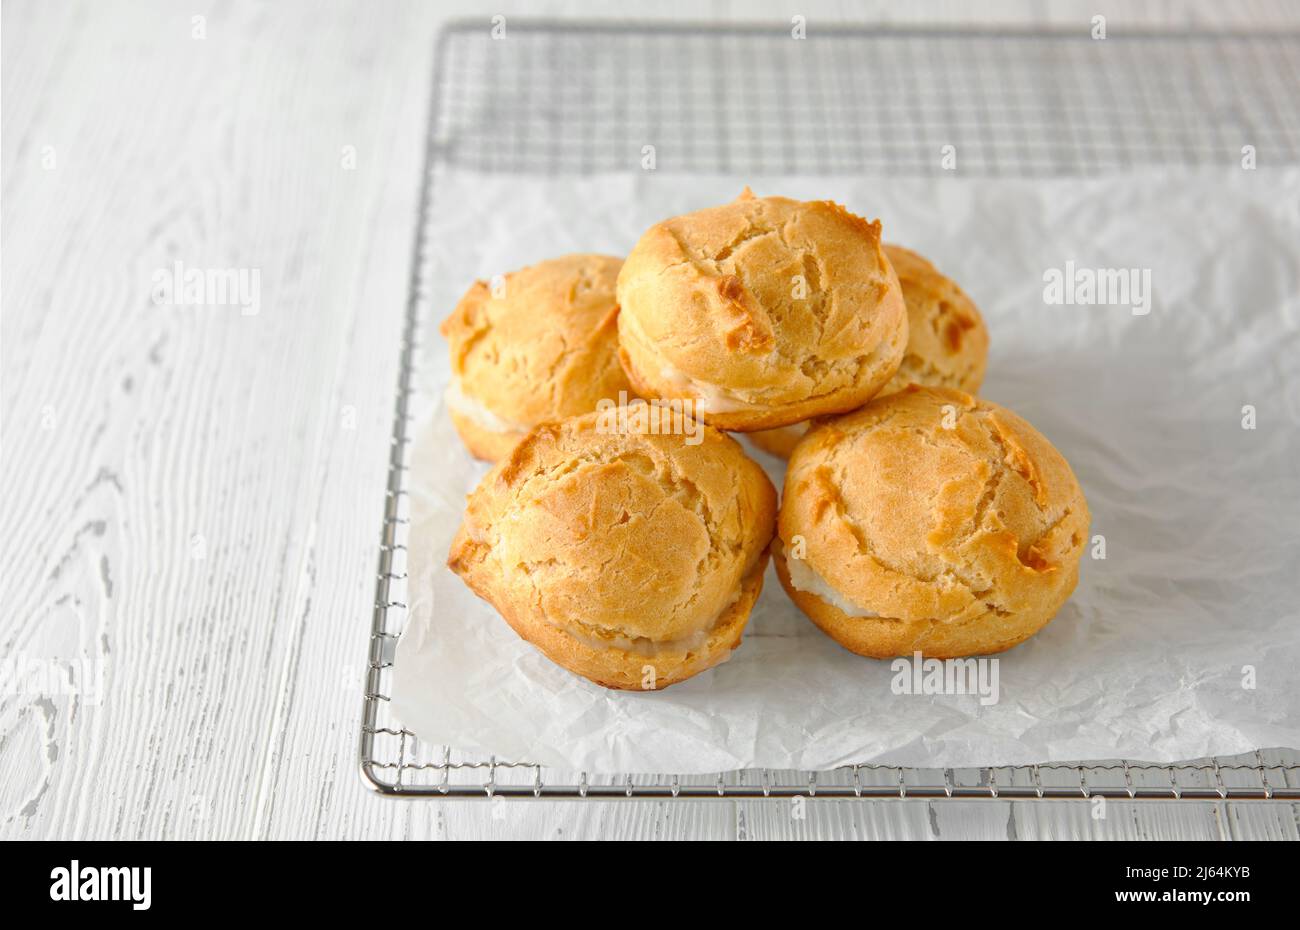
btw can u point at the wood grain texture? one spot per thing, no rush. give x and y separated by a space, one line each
193 493
192 496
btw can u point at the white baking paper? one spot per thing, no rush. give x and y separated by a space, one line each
1183 642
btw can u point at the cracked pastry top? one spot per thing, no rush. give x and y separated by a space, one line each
630 557
763 312
542 347
947 341
929 521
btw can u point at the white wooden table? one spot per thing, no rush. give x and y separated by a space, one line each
191 496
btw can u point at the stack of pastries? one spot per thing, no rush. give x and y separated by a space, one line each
625 534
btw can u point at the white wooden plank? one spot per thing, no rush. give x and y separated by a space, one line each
175 423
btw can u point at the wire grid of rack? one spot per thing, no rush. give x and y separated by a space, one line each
556 98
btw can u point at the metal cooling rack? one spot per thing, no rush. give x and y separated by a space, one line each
576 98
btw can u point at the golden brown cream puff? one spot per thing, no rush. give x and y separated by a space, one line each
763 312
541 348
629 554
929 521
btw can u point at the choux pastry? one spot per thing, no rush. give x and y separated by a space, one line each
929 521
762 312
543 347
628 553
947 341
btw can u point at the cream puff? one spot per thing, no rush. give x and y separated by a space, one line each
762 312
929 521
540 346
947 341
628 553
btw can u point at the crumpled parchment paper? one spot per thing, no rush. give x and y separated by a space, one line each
1184 641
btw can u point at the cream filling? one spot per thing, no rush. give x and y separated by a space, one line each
709 398
645 646
474 411
794 430
805 578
